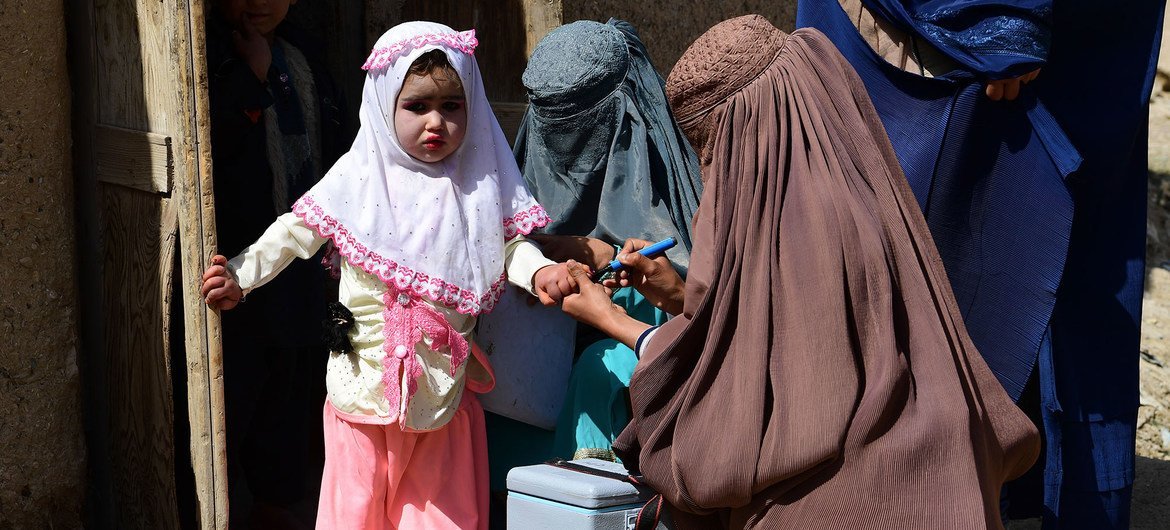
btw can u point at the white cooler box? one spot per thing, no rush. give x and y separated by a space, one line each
552 497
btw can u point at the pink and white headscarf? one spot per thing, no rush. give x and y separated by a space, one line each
434 230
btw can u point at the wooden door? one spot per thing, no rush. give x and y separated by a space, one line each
144 170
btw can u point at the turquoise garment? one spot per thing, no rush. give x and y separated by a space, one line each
596 408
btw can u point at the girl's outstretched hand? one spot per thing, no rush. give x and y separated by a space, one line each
553 283
220 289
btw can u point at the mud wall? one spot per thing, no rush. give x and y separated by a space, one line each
42 455
669 26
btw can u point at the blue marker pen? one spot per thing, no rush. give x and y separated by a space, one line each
650 252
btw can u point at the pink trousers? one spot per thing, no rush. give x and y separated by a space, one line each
379 477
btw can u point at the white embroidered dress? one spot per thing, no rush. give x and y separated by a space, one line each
424 246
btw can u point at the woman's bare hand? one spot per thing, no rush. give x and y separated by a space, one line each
655 278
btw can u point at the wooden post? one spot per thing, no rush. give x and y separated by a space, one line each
203 333
540 17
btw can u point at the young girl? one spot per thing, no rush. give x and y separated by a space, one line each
428 210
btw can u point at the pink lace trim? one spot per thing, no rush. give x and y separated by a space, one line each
393 274
525 221
406 320
463 41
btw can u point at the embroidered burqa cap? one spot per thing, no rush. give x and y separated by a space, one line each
435 230
598 146
820 375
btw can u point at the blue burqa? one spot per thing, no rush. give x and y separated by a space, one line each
1037 207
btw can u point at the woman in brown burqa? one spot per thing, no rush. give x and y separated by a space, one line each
818 374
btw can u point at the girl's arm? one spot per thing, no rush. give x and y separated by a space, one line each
545 279
285 239
521 260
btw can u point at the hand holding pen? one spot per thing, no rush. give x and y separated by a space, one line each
655 278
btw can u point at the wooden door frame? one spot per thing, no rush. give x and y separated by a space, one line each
205 396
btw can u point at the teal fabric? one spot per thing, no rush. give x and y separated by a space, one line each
596 408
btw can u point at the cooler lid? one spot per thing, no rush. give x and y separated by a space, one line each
575 487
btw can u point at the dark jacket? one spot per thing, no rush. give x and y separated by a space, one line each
289 309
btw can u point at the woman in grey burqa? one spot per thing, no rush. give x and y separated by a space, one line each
817 373
600 150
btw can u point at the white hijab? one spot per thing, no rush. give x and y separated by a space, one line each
433 229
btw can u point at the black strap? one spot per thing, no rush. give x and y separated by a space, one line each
650 513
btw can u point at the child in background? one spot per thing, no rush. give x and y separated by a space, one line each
277 124
428 210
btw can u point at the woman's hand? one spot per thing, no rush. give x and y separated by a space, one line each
1009 89
655 278
220 289
588 250
592 305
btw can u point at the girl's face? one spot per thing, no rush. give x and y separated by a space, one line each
430 116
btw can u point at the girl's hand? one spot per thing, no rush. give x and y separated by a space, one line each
553 283
1009 89
220 289
592 251
655 278
592 305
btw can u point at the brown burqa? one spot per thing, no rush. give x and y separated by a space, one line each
820 375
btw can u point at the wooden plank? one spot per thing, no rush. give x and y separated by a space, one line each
206 405
509 116
135 159
137 88
138 231
540 17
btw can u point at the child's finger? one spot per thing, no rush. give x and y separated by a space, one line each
577 272
211 284
571 284
215 295
572 278
214 271
545 299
